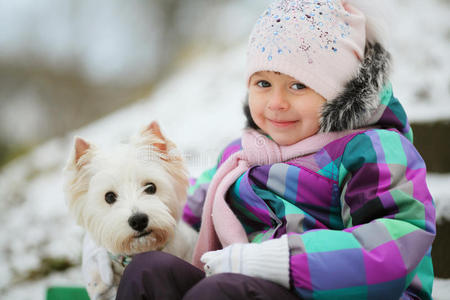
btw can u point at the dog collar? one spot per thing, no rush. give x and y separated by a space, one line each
121 259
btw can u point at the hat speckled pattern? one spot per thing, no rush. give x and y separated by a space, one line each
319 43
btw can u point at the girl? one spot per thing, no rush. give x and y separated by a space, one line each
324 196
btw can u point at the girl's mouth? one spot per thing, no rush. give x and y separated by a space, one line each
282 124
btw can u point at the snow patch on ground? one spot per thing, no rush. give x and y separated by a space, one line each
441 289
439 187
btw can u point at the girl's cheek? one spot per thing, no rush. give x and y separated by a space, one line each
255 109
254 106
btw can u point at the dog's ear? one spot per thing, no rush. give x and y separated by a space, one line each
81 147
154 129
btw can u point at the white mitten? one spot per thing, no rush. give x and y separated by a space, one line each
97 271
268 260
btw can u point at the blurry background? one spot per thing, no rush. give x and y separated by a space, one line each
103 69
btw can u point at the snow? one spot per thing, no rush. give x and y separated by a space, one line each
441 289
199 107
438 184
188 107
420 47
193 106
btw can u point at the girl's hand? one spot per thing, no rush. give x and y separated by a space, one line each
227 260
268 260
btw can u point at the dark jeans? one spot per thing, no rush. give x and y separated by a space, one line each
161 276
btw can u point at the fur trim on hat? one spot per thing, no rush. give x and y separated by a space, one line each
354 107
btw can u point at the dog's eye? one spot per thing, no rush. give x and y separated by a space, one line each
110 197
150 188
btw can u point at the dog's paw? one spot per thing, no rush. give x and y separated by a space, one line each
109 294
98 290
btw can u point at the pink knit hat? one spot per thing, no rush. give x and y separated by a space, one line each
318 42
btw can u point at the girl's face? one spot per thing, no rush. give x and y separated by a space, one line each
284 108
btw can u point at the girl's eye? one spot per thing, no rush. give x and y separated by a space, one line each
263 84
150 188
110 197
298 86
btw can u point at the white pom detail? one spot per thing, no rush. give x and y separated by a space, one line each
378 16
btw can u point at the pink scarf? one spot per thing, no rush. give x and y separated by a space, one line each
220 227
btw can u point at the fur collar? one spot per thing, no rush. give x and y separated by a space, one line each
356 105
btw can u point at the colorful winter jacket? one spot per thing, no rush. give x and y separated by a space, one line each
358 214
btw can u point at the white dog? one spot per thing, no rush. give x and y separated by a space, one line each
129 199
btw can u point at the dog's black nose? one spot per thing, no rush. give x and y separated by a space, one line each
138 222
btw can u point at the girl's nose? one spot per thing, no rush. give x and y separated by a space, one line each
278 101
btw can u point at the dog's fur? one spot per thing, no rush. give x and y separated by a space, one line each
127 171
